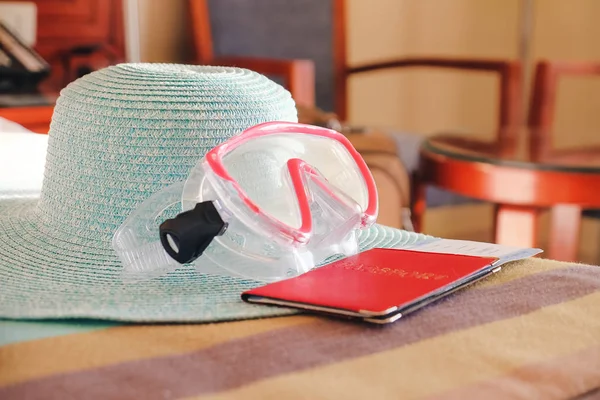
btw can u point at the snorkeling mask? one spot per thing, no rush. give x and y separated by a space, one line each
269 204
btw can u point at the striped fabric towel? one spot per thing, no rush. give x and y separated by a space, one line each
531 331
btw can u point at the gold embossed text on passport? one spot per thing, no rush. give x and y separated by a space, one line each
399 272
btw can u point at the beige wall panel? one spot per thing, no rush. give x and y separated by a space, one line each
426 101
569 30
164 33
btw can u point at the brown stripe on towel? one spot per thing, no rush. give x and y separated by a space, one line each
552 379
261 356
591 395
31 360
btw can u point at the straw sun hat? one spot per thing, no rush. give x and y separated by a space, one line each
117 136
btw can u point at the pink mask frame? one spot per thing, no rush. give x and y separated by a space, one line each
297 169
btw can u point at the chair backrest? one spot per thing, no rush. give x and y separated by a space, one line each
542 108
508 71
299 29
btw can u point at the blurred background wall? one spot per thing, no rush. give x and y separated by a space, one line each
429 101
164 35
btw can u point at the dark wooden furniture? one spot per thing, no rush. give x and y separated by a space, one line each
521 182
74 37
36 119
64 25
508 72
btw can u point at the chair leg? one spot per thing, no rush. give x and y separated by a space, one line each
516 225
418 206
565 225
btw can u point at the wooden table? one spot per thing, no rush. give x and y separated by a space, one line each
34 118
520 180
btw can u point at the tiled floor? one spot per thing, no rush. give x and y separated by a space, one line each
474 222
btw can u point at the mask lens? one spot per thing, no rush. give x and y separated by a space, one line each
260 167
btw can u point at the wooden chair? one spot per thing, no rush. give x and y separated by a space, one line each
328 25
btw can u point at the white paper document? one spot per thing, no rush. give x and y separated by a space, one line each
22 161
470 248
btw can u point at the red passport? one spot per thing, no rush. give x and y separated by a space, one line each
378 285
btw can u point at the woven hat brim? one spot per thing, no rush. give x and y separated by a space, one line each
44 275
